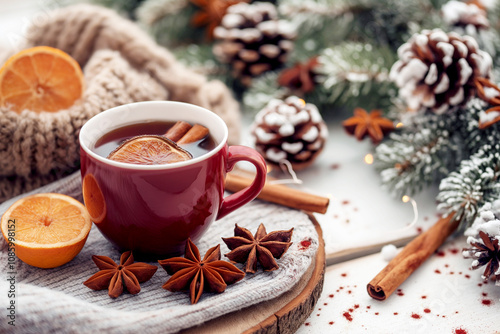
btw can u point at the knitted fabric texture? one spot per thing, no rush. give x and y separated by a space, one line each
121 64
55 300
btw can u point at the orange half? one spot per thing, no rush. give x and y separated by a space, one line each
46 230
40 79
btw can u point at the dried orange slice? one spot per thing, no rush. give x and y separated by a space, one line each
149 150
94 199
46 230
40 79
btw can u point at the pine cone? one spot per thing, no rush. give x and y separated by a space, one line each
252 40
484 238
289 130
437 70
462 14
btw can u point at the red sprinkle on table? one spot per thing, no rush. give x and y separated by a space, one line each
437 271
345 202
356 305
416 316
331 295
419 230
440 253
304 244
400 292
347 315
460 331
487 302
484 294
454 251
424 297
331 322
335 166
395 313
467 276
426 310
343 274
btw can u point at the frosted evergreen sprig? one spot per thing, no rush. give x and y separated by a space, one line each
153 11
410 161
353 70
169 21
472 185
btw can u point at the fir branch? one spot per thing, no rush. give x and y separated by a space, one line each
124 7
153 11
263 89
475 183
169 22
353 70
419 156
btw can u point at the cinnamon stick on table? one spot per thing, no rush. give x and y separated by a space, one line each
280 194
411 257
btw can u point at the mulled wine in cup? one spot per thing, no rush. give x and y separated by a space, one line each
153 207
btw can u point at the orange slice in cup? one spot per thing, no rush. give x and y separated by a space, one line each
149 150
46 230
40 79
94 199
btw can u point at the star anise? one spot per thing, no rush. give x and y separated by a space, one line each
262 247
114 277
190 272
371 124
211 13
485 254
300 77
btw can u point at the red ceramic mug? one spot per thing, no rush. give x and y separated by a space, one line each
153 209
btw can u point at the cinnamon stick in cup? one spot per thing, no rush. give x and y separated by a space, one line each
411 257
196 133
184 133
178 130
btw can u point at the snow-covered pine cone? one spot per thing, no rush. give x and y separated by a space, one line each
484 237
253 40
436 70
463 14
289 130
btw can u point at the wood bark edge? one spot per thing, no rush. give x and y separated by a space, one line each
289 318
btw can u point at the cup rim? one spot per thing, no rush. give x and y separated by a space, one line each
115 110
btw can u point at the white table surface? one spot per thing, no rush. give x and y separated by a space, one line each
442 296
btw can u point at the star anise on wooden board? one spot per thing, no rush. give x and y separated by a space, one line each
371 124
262 247
211 13
196 275
300 77
485 254
114 277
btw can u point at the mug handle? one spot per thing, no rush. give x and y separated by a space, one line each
242 153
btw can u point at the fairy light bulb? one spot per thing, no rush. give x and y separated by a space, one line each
368 159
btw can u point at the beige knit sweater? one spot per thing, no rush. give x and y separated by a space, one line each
121 64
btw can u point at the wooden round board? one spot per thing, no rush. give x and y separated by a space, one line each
284 314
